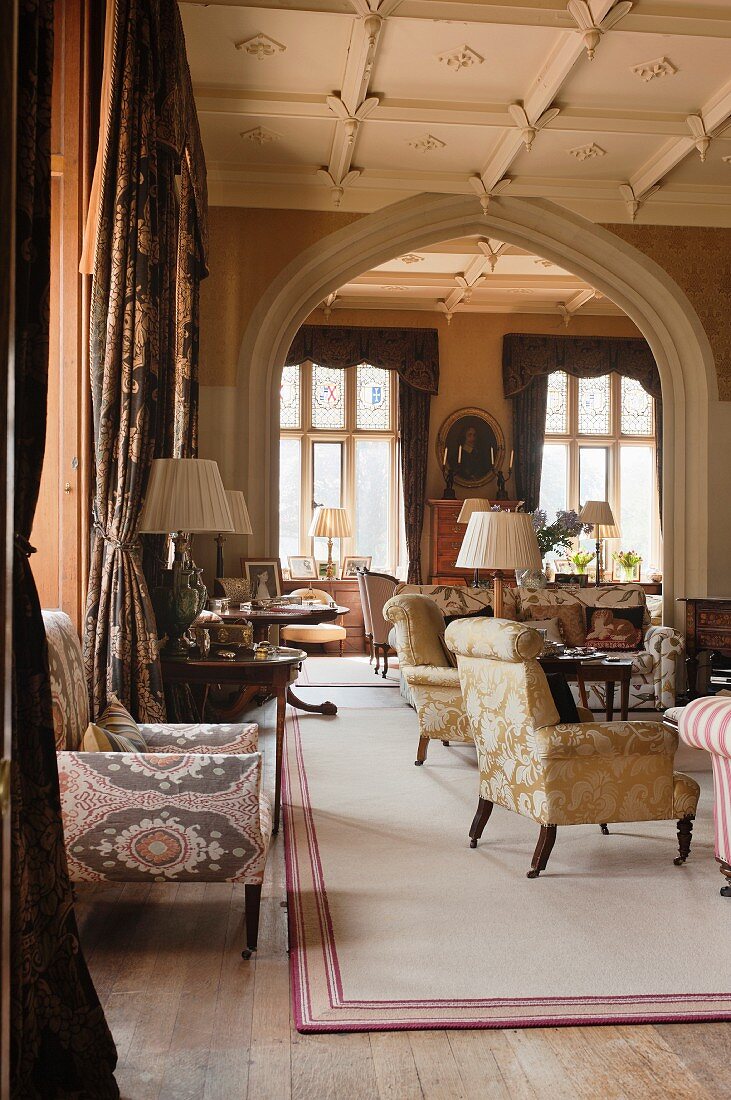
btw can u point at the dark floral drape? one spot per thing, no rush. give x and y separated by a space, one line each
149 258
414 354
61 1045
529 358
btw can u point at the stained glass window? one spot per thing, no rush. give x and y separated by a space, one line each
594 405
373 398
289 398
328 397
636 408
557 408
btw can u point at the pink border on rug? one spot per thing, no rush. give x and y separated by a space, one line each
302 1006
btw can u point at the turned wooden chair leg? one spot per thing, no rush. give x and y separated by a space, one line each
685 835
421 751
725 870
252 901
479 821
369 643
544 847
377 654
385 662
341 647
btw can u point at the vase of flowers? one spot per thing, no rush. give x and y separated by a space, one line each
551 537
581 560
628 562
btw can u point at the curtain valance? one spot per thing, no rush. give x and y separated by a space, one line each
527 356
412 352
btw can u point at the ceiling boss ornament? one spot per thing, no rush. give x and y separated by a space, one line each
653 70
464 57
260 136
260 46
528 129
588 28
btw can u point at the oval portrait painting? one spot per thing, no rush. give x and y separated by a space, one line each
472 444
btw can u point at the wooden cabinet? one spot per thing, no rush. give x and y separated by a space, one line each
707 627
446 539
345 593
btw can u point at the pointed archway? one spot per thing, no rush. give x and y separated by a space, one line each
635 283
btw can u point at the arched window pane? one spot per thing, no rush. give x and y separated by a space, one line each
328 398
373 398
557 407
594 405
637 408
289 398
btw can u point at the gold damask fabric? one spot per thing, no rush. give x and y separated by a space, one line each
554 773
60 1042
149 259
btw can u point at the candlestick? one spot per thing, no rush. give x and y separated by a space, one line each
511 460
492 456
444 460
459 456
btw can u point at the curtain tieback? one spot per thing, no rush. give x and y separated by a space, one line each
22 544
132 547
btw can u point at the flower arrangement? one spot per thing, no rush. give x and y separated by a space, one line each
627 560
580 559
559 534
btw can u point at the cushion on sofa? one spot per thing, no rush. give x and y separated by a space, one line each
552 628
98 739
614 627
116 719
572 621
484 612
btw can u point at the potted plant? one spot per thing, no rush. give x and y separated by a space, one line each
627 564
581 559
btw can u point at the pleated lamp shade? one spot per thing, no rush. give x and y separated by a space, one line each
499 540
185 494
598 514
472 505
239 512
330 523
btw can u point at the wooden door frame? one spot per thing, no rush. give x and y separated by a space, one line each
8 69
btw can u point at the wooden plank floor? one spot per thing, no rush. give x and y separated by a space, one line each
192 1021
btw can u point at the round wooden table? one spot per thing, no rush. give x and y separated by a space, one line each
272 675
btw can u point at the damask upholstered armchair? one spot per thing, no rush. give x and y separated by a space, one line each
189 809
558 774
426 668
706 724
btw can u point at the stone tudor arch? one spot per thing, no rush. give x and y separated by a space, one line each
629 278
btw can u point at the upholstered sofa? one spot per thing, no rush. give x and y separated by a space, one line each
427 672
706 724
656 667
190 809
558 773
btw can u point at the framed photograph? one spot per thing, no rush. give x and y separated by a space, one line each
302 569
322 570
353 562
264 576
474 446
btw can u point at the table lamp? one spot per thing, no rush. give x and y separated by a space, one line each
184 495
330 523
241 524
469 507
500 542
598 514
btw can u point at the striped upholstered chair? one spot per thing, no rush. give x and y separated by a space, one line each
706 724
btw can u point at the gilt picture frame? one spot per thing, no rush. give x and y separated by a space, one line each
474 445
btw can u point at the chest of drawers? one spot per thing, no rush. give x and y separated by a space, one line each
446 539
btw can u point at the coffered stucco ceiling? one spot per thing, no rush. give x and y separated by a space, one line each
314 104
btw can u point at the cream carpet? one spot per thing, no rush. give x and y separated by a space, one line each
348 671
396 923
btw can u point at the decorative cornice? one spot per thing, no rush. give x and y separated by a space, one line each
426 144
652 70
260 46
464 57
587 152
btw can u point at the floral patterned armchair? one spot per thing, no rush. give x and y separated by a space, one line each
558 774
191 809
430 677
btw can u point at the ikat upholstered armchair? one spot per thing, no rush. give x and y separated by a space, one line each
430 677
706 724
189 809
558 774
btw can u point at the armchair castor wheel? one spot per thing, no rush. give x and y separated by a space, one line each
604 828
247 953
725 891
532 874
473 842
418 763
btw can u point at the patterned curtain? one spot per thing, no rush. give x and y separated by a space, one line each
528 359
149 259
61 1044
414 354
414 407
